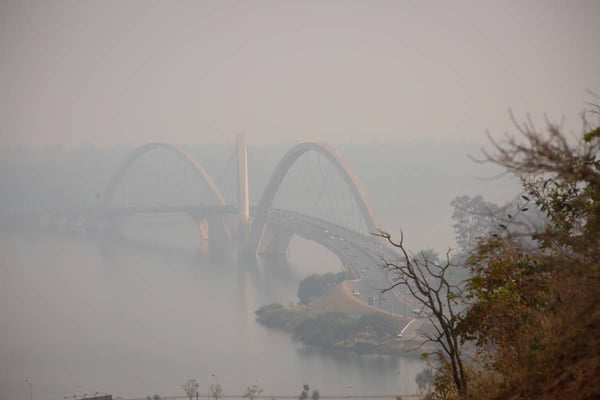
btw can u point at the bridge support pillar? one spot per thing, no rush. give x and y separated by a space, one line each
213 227
274 241
243 196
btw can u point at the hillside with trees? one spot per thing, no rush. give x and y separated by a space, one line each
524 323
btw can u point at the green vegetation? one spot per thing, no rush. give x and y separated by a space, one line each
528 314
304 394
535 309
331 329
252 392
316 285
190 387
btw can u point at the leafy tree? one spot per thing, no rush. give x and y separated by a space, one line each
424 380
215 391
252 392
536 308
380 324
473 217
304 393
191 388
322 329
428 254
315 285
533 300
310 287
325 329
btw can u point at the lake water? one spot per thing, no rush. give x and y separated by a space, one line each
142 312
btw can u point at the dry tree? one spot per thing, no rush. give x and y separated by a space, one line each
430 284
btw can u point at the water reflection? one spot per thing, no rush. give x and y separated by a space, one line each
142 311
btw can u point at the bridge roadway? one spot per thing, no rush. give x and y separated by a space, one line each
362 254
216 209
191 210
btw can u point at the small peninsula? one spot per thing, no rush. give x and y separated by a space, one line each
331 318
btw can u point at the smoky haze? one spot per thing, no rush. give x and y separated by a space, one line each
404 91
110 72
142 308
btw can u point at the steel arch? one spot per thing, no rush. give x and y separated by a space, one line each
137 153
281 171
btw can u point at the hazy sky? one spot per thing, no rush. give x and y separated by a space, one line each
108 72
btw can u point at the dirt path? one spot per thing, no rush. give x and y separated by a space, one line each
340 298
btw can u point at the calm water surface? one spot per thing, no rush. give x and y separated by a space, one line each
143 312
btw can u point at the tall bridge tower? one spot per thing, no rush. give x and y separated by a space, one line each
243 198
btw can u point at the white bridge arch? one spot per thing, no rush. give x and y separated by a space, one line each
280 172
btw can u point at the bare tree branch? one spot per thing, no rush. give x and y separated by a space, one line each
428 283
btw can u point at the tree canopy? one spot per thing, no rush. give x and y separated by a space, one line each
528 314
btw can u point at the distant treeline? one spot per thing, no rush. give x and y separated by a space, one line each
56 177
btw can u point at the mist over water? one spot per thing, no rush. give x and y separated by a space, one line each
404 91
141 312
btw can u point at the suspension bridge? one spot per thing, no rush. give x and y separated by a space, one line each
329 204
311 193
